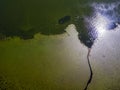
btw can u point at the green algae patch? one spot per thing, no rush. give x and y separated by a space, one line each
36 64
25 18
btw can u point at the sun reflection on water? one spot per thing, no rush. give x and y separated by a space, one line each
100 23
103 18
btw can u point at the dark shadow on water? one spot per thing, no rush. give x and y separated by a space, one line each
64 19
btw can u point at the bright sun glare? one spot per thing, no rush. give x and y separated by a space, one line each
104 18
100 23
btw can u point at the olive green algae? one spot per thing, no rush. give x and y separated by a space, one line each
41 64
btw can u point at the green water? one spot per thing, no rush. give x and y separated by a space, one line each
43 62
36 64
27 17
39 64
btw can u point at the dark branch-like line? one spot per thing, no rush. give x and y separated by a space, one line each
91 72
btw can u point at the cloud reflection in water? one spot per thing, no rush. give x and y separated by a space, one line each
105 17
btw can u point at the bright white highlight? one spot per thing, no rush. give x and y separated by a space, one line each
102 18
100 23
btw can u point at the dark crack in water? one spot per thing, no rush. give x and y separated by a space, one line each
104 17
91 72
92 23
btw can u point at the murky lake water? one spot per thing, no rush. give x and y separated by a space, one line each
55 60
44 63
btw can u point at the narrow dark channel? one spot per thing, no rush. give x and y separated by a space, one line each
91 72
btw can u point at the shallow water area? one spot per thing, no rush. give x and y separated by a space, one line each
55 58
44 62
